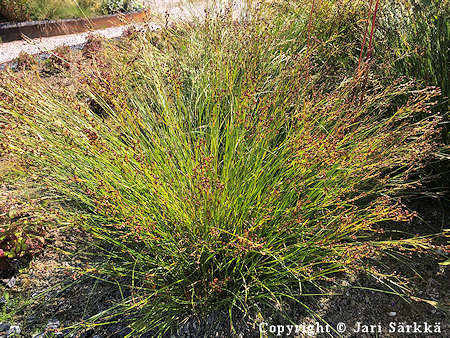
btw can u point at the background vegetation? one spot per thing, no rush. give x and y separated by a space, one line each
20 10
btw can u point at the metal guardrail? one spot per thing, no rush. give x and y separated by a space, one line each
39 29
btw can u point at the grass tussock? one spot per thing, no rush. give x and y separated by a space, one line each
227 164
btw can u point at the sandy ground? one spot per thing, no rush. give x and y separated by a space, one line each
160 11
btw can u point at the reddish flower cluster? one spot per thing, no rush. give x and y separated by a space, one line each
60 59
246 243
217 285
91 135
92 47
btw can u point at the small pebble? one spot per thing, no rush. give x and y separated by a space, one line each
392 314
14 329
10 282
53 324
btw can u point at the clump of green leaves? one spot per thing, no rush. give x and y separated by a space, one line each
116 6
21 233
26 61
59 60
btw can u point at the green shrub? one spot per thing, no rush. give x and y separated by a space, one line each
134 5
47 9
15 10
224 165
113 6
116 6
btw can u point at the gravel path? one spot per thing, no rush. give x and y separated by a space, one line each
175 9
11 50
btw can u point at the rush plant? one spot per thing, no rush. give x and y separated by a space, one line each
219 168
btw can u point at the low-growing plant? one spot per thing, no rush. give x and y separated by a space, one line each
26 61
59 60
229 166
93 45
21 232
17 239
